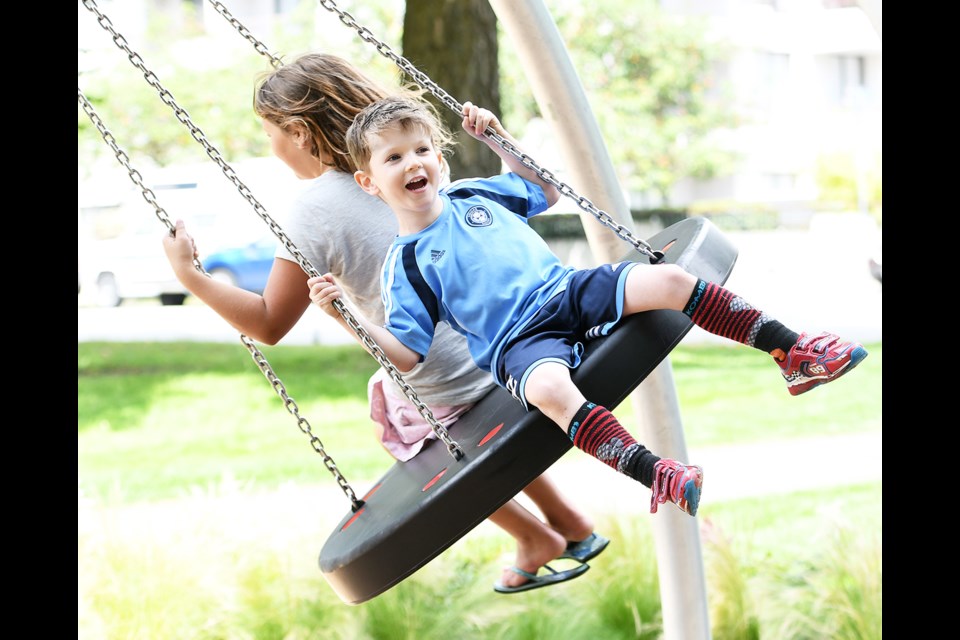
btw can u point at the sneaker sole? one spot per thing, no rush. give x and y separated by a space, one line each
691 494
856 357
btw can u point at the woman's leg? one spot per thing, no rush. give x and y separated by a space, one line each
559 512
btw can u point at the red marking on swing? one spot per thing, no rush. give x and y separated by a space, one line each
371 492
351 520
490 435
668 245
434 480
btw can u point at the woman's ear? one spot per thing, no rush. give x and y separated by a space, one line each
366 183
300 136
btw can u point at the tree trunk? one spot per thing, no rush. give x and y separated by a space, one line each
455 43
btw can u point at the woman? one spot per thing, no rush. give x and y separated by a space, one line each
306 107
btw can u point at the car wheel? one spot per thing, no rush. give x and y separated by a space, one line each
172 299
225 276
107 293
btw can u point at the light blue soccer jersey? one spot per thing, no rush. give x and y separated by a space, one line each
479 267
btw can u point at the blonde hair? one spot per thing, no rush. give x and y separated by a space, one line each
321 93
394 111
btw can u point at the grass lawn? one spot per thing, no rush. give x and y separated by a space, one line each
159 420
202 509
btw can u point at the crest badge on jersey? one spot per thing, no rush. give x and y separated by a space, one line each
479 216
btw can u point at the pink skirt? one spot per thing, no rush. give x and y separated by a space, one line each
404 429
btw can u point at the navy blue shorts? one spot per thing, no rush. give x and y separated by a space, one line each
591 306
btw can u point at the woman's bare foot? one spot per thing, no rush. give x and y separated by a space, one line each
534 551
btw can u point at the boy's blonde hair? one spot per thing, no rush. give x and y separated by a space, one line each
393 111
321 93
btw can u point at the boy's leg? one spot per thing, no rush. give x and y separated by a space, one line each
805 361
596 431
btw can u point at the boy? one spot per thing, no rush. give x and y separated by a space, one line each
466 255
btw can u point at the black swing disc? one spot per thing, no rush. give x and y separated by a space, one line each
421 507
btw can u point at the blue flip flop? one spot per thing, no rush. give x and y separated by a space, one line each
585 550
535 582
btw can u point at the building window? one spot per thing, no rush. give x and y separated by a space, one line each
851 78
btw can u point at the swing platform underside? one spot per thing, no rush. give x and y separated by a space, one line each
421 507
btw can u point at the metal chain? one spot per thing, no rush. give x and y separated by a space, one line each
424 81
261 48
255 353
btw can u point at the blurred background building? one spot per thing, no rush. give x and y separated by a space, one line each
807 80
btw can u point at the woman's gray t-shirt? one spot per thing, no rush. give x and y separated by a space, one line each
344 231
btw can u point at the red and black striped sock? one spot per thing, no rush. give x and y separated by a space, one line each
597 432
723 313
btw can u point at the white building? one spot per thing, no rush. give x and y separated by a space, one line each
808 76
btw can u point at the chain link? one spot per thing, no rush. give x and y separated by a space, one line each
424 81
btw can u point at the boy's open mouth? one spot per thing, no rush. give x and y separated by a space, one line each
419 183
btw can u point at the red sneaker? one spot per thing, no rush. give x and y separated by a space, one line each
818 359
677 483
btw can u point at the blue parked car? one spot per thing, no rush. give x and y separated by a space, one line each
246 267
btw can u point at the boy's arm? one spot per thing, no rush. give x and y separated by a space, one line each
323 291
476 121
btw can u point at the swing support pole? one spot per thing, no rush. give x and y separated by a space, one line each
562 101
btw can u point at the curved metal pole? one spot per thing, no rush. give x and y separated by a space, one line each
562 101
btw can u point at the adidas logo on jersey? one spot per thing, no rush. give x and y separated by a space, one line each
436 255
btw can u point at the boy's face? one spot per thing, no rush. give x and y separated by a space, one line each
404 170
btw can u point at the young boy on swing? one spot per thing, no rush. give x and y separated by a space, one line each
466 255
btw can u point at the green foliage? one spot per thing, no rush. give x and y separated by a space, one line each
731 215
649 80
839 178
144 126
651 83
732 612
242 565
801 568
836 593
215 91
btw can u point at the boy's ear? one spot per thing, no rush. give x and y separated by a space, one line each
366 182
